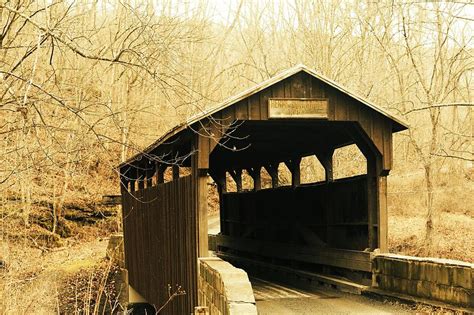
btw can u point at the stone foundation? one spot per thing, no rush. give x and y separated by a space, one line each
224 289
443 280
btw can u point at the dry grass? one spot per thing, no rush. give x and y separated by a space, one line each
38 262
453 221
33 280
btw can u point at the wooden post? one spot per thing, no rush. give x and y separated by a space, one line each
272 170
294 167
141 177
237 176
175 172
326 160
161 173
376 196
149 175
221 180
372 201
200 165
383 215
257 180
132 177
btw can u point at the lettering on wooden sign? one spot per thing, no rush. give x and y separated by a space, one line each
297 108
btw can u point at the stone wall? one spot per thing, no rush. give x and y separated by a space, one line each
224 289
443 280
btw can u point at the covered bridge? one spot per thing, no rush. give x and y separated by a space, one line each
332 225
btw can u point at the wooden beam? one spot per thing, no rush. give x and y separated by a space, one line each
220 177
257 180
133 177
294 167
141 178
383 215
161 169
376 204
237 177
203 146
149 175
199 179
326 160
354 260
175 172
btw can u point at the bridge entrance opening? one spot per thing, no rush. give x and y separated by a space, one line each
319 226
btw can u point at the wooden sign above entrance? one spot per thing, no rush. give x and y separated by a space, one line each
297 108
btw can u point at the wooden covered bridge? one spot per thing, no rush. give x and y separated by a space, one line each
329 226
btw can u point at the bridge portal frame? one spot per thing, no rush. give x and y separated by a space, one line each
292 115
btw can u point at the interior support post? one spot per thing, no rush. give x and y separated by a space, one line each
141 178
175 172
149 175
383 214
257 180
294 167
132 174
220 177
272 170
376 190
160 173
372 201
326 160
237 176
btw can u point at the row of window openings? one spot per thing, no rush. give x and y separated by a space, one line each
153 180
311 171
347 161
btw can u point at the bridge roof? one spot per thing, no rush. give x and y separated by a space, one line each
398 124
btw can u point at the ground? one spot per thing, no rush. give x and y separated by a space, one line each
44 273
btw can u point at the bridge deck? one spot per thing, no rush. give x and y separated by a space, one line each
273 298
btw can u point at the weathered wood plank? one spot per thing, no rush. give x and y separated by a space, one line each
254 105
354 260
241 110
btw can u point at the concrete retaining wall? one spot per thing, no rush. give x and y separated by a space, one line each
443 280
224 289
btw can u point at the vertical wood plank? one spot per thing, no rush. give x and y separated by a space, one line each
317 89
175 172
264 96
203 148
256 176
383 215
254 105
241 110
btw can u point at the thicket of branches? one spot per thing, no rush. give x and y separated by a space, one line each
85 83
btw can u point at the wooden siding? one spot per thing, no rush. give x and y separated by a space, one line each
302 85
160 243
336 213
